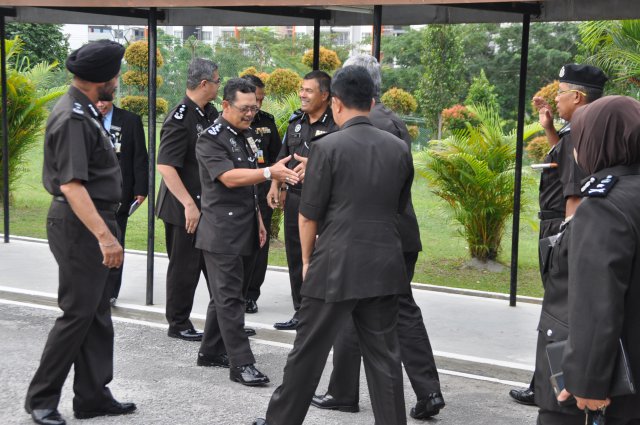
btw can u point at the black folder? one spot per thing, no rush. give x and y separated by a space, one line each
621 381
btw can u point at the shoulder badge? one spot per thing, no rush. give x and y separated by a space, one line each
180 112
214 129
598 189
295 115
77 108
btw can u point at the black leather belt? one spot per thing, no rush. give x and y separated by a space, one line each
100 205
550 215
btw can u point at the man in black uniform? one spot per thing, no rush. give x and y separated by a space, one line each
81 172
268 143
127 135
230 231
313 119
179 194
415 348
560 180
356 270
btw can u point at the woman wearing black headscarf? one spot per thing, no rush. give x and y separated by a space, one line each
604 258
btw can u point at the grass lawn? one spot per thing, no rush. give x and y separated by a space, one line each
441 262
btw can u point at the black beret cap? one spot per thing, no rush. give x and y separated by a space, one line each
583 75
98 61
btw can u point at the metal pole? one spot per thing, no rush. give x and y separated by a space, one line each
152 38
526 21
377 32
5 131
316 43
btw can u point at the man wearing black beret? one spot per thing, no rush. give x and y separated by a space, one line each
82 174
559 197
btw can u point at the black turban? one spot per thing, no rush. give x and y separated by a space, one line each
98 61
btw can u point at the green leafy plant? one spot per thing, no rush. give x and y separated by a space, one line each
537 148
136 79
548 93
329 60
140 104
282 82
28 94
457 117
399 101
473 172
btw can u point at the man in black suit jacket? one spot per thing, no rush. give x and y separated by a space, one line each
358 179
415 348
127 135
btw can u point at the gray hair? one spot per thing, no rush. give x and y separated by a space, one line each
592 93
200 69
372 66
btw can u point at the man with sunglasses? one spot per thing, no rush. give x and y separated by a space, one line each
231 230
560 181
179 195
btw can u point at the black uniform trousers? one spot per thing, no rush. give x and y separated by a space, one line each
259 271
224 327
183 273
115 274
83 335
415 351
548 228
292 245
375 321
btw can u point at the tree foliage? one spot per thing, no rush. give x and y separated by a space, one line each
29 91
473 172
40 42
482 92
440 85
282 82
136 80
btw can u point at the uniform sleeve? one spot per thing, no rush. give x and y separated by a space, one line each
284 149
317 183
174 143
601 252
570 173
212 155
140 159
71 152
405 193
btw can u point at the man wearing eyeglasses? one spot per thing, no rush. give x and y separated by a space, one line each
559 197
231 230
179 195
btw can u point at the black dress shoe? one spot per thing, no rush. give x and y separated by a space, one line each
428 407
288 325
115 409
47 417
328 402
217 360
525 396
187 334
251 307
249 331
248 375
260 421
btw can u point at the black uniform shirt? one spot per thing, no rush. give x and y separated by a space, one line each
77 147
229 222
178 138
384 119
265 134
557 184
301 132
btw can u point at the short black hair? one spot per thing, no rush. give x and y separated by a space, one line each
354 87
236 85
254 79
323 79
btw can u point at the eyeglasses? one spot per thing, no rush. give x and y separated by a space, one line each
246 109
571 90
217 81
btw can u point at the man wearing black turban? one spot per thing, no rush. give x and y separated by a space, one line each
81 171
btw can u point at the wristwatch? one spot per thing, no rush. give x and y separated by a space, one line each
266 172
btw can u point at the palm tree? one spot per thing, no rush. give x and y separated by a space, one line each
614 46
28 93
473 172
